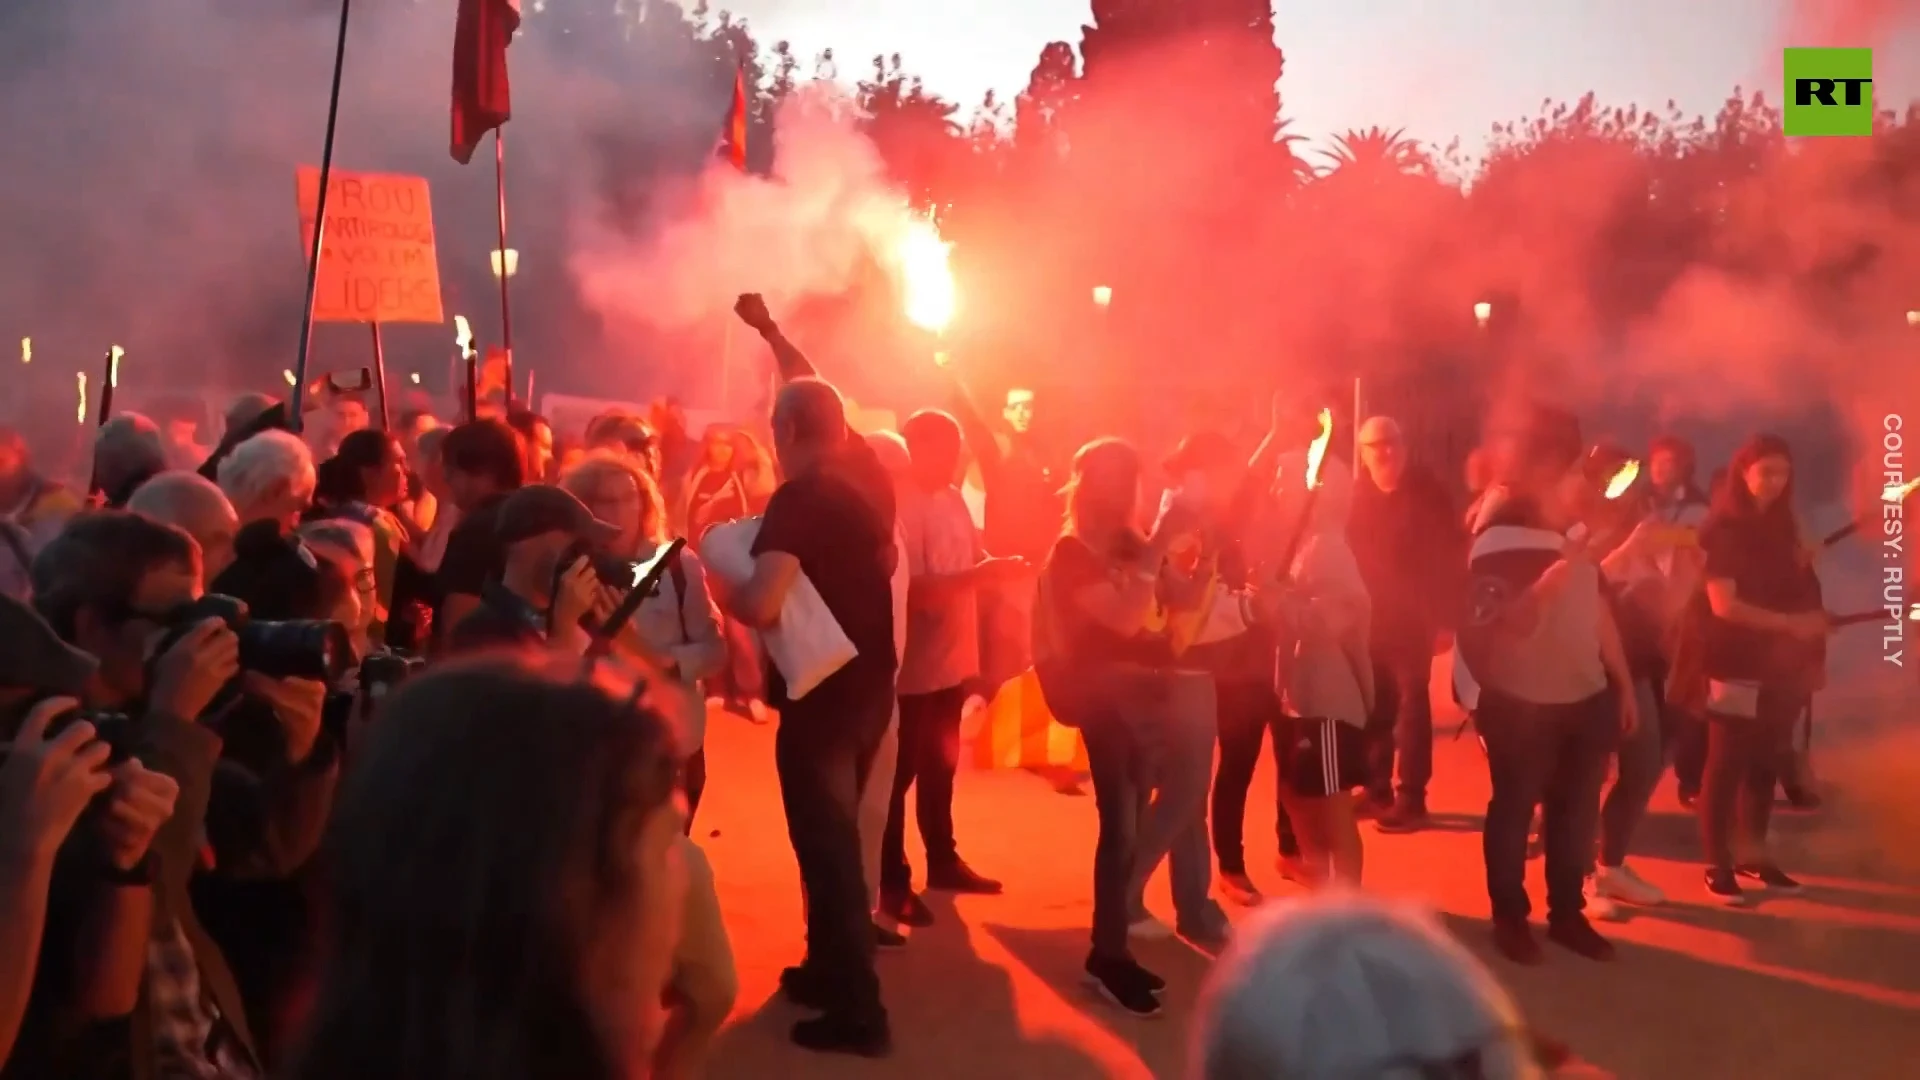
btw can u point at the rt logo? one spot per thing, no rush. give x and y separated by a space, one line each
1828 92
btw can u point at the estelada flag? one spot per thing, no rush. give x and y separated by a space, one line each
733 141
481 101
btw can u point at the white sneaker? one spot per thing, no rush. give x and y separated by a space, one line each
1149 929
1599 904
1622 884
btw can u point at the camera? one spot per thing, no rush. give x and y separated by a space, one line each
114 729
382 671
315 649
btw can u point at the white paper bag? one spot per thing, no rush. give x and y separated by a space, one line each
807 644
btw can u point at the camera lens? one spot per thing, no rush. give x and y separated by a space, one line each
314 649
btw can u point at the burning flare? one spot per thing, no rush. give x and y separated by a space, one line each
1913 613
80 414
1623 479
26 350
926 276
287 374
1317 453
463 337
113 365
1897 493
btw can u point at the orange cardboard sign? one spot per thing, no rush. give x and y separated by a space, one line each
377 263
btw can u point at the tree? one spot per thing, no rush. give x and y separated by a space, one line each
1375 155
914 130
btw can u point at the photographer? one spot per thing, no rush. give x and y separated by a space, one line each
120 587
547 585
57 779
482 464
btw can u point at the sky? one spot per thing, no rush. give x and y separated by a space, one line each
1438 70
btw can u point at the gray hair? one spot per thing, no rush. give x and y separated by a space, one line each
184 499
246 409
127 449
264 465
812 411
341 533
892 451
1341 986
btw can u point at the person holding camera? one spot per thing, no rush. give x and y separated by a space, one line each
482 463
64 802
128 591
547 589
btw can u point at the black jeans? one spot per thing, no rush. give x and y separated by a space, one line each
1553 757
1402 721
823 751
1744 757
1115 759
1248 710
929 757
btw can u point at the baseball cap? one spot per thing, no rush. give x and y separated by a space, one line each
35 658
539 509
1204 450
1379 429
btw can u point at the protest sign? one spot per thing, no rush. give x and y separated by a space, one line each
378 263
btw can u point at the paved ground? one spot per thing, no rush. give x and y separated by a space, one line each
1826 985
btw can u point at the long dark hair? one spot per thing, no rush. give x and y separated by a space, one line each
483 834
342 478
1733 500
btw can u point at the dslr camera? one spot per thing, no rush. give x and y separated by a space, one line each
315 649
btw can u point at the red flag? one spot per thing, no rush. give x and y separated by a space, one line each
481 101
734 139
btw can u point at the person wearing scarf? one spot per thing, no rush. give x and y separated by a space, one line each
1760 632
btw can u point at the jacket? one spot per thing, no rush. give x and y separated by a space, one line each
1330 674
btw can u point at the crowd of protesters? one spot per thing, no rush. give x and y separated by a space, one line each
432 647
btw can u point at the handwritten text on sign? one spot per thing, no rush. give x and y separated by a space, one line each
378 262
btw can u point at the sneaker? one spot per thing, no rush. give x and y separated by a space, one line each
1575 933
1148 928
1515 940
1724 886
905 907
1154 983
1121 982
884 938
1373 806
1211 936
841 1034
1599 904
1405 817
1622 884
1772 877
958 877
1238 888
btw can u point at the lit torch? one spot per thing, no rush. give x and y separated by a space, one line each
1316 456
1623 479
463 340
26 350
1482 313
927 276
1897 493
80 414
287 374
463 337
110 382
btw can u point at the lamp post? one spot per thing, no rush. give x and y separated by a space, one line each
505 263
1102 297
1913 318
1482 314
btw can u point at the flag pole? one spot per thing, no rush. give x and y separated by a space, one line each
294 415
500 208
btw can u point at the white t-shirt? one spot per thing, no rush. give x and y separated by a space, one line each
943 639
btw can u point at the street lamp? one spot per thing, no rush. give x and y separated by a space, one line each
510 257
1482 312
1103 295
1913 318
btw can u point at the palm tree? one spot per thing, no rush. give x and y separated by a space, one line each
1376 153
1299 169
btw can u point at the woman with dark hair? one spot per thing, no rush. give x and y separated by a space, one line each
1106 666
1761 643
364 482
522 924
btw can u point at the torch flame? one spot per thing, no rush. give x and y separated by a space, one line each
1317 453
80 414
287 374
113 365
26 350
926 276
1913 613
1897 493
1623 478
463 336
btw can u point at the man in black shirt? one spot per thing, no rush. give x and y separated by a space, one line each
546 585
483 464
833 522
